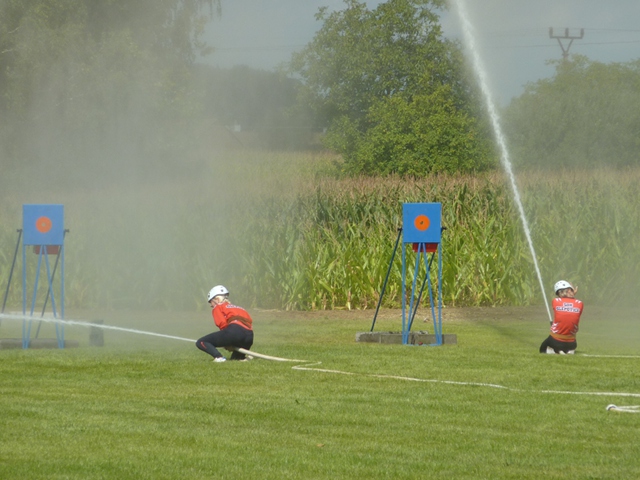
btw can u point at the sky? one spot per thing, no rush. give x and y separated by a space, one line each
512 35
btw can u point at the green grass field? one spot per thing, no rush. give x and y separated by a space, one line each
147 407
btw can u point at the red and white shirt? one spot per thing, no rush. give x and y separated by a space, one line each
224 314
566 317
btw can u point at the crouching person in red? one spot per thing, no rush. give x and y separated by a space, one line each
566 317
235 324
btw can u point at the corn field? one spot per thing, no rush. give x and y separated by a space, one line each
281 234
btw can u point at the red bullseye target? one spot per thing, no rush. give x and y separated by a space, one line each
43 224
422 222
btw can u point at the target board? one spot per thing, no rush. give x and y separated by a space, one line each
421 222
43 224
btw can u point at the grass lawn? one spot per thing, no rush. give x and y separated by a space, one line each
489 407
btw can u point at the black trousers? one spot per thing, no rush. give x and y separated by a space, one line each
557 345
231 336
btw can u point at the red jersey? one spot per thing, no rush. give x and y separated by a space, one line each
225 314
566 317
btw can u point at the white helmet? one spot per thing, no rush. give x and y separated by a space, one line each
217 290
561 285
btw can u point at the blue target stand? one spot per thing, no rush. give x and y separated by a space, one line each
422 229
421 234
43 229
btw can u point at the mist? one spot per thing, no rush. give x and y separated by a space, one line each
139 143
139 147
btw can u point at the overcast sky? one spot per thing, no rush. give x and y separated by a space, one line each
513 35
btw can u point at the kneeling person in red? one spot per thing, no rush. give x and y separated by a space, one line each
235 324
566 316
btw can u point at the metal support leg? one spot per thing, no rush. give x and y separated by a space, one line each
386 279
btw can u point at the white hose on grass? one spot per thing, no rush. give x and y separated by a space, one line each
251 353
312 366
627 408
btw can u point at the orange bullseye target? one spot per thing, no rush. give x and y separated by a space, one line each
43 224
422 222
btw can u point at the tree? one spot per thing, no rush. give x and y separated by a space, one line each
98 83
392 91
261 102
587 114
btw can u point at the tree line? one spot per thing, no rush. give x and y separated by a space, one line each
121 86
97 88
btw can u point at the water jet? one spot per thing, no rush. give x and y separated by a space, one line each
505 160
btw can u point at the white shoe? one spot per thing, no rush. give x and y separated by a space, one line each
219 359
571 352
562 352
551 351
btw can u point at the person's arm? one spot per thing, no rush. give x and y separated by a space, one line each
218 317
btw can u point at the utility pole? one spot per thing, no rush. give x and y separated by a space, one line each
566 36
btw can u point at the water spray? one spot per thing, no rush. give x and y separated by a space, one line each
93 325
469 40
140 332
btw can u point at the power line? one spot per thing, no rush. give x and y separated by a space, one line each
293 47
546 45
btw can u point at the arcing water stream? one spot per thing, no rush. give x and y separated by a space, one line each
478 67
132 330
89 325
